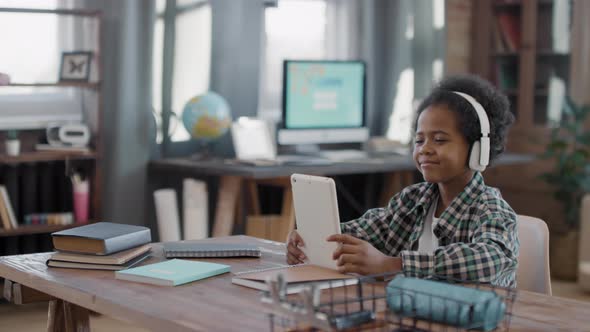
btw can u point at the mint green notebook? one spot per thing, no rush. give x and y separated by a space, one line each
173 272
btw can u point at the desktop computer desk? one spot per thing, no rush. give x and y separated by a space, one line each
234 176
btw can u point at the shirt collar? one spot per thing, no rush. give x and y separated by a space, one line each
451 217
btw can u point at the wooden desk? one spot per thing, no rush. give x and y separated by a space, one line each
214 304
398 169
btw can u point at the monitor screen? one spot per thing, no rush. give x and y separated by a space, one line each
321 97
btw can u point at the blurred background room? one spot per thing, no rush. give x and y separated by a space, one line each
179 115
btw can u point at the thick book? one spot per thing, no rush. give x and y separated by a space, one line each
209 250
118 258
98 266
29 194
102 238
173 272
11 176
296 276
4 218
8 206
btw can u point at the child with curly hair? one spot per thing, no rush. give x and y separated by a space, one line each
451 225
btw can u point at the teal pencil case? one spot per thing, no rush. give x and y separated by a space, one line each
441 302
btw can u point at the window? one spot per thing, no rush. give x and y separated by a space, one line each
408 97
33 55
287 38
190 59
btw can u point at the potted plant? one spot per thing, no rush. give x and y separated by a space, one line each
12 143
569 148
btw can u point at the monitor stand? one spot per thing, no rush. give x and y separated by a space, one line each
331 154
307 149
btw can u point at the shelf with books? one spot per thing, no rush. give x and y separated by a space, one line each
35 229
40 156
40 172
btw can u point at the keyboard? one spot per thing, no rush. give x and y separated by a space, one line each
343 155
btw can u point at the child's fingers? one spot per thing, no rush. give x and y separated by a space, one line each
292 259
348 259
349 268
344 249
343 238
295 251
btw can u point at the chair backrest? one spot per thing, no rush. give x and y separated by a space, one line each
533 272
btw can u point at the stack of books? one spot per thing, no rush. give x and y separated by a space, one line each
100 246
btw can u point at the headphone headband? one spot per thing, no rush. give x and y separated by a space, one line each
482 146
484 123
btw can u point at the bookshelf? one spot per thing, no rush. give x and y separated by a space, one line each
30 238
538 63
41 156
526 54
35 229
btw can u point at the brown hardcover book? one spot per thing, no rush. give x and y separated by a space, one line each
98 266
296 276
120 257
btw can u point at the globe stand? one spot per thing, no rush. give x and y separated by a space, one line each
205 152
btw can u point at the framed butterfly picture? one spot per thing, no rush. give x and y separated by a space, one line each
75 66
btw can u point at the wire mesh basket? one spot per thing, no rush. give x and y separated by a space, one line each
382 303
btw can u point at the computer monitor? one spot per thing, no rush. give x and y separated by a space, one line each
323 102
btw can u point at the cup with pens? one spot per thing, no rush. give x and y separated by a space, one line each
80 188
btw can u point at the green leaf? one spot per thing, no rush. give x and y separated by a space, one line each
557 145
584 138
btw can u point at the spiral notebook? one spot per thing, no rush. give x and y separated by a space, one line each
209 250
296 276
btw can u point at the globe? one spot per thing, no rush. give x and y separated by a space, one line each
206 117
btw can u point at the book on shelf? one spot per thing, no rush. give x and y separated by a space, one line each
10 177
59 218
209 250
507 75
101 238
6 211
296 276
6 224
97 266
62 148
118 258
173 272
499 40
29 190
509 24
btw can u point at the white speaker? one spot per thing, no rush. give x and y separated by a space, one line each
73 134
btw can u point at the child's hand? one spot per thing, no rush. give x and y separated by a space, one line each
357 256
294 253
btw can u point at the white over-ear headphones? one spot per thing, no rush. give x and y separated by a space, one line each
479 157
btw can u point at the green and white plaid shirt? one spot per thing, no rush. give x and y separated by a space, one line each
477 233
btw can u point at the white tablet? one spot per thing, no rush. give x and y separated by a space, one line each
316 214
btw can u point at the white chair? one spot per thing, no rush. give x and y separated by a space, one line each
533 272
584 256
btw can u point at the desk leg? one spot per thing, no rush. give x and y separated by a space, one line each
229 189
272 227
287 215
68 317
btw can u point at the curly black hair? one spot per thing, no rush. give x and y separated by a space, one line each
494 102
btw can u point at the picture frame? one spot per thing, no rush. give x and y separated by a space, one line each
75 66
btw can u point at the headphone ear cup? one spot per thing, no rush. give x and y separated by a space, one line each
474 157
